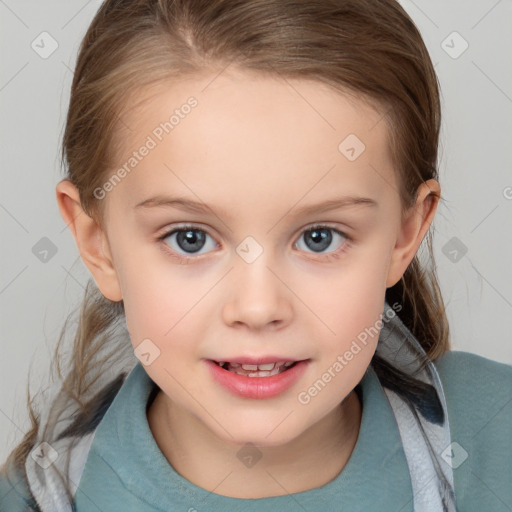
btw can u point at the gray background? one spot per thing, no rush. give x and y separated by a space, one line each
472 228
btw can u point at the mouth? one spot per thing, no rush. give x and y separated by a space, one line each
270 377
256 370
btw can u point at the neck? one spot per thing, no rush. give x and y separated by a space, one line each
311 460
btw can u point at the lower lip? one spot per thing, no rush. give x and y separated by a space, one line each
257 387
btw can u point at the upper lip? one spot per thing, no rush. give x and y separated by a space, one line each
256 360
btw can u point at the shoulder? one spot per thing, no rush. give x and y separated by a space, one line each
15 495
478 394
474 380
461 362
478 391
457 367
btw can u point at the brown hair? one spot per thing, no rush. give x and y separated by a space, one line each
368 48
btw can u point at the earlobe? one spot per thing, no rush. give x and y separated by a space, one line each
90 240
413 230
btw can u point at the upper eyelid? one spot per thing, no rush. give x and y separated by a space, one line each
169 231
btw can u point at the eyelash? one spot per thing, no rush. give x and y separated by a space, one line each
189 227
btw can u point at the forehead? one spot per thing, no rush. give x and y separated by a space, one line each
265 97
261 133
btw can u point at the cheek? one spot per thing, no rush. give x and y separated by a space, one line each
355 293
352 307
166 304
153 300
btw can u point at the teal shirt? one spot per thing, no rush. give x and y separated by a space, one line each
126 471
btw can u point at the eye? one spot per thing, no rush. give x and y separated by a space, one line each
320 237
189 239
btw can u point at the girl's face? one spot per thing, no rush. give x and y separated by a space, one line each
249 277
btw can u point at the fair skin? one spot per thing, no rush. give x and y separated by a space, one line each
255 152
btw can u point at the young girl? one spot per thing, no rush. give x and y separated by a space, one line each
249 183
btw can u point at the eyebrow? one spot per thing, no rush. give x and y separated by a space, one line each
193 206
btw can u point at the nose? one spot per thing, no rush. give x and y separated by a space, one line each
257 296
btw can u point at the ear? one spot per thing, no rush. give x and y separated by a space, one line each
90 240
414 228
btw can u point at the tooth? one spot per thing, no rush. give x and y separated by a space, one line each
266 367
250 367
277 369
288 363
